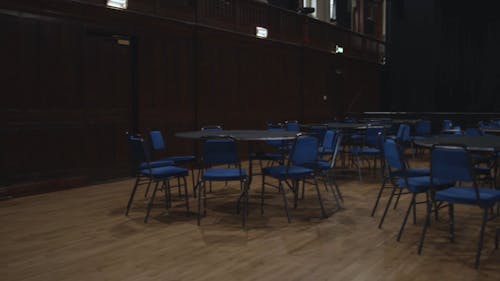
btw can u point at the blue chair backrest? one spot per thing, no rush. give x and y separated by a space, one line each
138 150
305 151
275 143
473 132
374 136
274 125
329 140
447 124
423 128
292 126
403 134
451 163
392 156
156 140
220 151
319 131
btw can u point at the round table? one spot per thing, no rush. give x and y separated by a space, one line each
244 135
495 131
241 135
472 143
346 126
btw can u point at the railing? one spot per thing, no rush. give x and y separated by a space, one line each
243 16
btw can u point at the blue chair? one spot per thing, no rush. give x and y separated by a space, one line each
324 169
371 148
423 128
415 181
453 163
402 136
292 126
138 164
279 150
328 143
319 132
396 168
473 132
163 174
304 152
446 125
158 144
218 152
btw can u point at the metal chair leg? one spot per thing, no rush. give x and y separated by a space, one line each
410 206
397 199
378 196
285 200
323 213
132 194
426 225
186 195
452 222
147 189
387 207
200 187
481 237
167 197
150 204
179 187
335 195
262 195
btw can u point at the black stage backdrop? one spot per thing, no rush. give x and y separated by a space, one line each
443 56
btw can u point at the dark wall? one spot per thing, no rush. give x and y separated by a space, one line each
76 76
443 56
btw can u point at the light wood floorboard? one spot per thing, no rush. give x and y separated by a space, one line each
82 234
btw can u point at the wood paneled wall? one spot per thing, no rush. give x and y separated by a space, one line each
76 75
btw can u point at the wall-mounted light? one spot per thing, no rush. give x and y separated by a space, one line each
339 49
117 4
261 32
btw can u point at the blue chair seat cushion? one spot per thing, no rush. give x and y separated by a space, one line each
222 174
280 172
365 150
156 164
467 195
178 159
413 172
320 164
165 172
421 184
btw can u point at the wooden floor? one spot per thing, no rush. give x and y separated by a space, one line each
82 234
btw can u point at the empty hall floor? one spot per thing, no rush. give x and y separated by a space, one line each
83 234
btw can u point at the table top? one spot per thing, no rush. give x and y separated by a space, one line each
392 120
491 130
240 134
341 125
474 143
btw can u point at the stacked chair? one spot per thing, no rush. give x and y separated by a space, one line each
370 148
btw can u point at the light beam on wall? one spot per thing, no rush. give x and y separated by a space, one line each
118 4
